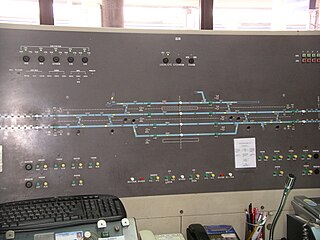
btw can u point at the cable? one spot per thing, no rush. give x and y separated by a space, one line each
287 188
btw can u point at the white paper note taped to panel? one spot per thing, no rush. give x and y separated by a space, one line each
245 153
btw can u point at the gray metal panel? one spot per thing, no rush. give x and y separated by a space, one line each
124 119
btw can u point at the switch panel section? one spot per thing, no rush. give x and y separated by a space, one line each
136 113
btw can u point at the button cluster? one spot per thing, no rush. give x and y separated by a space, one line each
310 57
178 60
291 156
171 178
54 59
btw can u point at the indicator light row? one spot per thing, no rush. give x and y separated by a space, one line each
191 177
55 166
289 157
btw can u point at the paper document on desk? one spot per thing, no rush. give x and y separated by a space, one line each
245 153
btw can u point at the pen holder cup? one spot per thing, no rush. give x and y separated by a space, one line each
255 231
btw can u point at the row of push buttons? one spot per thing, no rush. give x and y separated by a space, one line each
55 59
191 177
310 57
45 166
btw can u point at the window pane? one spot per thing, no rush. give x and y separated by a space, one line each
81 13
161 14
19 11
264 14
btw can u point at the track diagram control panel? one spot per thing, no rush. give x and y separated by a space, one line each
138 113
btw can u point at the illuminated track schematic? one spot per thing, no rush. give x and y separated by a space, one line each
172 119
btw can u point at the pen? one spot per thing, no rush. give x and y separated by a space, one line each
247 219
255 215
251 217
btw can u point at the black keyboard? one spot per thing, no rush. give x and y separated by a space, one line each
46 213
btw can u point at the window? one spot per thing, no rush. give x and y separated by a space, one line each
170 14
19 11
165 14
80 13
261 15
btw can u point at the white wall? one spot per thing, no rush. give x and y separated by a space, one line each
162 214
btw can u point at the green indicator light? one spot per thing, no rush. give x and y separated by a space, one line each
289 156
318 54
274 157
303 156
308 54
210 113
313 55
304 55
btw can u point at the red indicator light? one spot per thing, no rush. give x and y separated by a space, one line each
314 60
304 60
309 60
318 60
221 175
141 179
